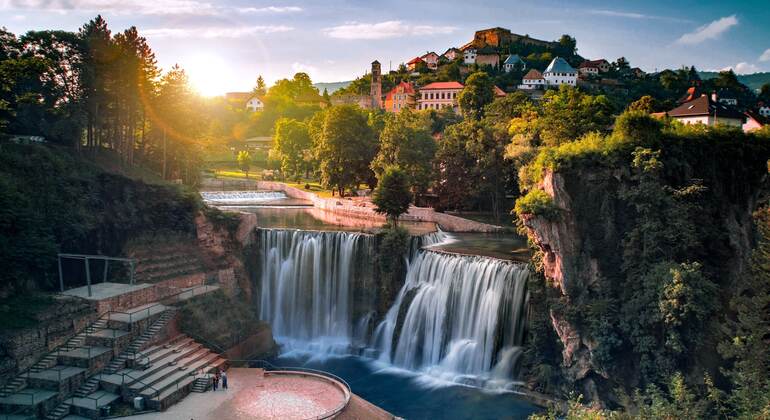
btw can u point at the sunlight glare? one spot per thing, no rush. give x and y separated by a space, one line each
208 73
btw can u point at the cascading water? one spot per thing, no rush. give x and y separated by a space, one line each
240 197
308 282
459 318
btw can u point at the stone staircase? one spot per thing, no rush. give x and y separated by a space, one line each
139 343
62 410
173 369
202 384
80 339
14 385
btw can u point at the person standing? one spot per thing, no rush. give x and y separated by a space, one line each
224 380
216 381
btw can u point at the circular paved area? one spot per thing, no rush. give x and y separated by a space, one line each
250 397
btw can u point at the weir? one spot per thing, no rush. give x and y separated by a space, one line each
240 197
460 318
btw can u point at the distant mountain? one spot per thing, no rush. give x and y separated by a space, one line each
331 86
753 81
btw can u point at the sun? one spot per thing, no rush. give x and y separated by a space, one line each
209 74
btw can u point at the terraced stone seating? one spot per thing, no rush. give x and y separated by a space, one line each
168 372
164 262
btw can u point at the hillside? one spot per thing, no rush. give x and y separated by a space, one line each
331 86
753 81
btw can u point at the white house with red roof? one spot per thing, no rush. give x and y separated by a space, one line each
431 60
452 53
439 95
532 80
412 64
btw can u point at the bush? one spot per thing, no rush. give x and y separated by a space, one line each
537 203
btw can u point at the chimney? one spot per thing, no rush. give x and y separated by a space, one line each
714 97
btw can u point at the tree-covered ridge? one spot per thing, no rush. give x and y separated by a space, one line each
52 201
657 211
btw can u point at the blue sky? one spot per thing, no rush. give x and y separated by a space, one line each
225 44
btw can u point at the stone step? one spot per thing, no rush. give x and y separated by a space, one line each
162 370
61 411
171 379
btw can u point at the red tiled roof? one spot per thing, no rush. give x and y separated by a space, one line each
703 106
533 74
415 60
442 85
499 92
407 88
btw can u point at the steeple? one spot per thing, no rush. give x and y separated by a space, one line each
376 89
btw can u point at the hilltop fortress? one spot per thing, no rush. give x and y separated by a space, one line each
501 37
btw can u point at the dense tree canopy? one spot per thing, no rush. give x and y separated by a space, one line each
406 142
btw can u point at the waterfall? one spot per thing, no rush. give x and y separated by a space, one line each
308 285
240 197
457 317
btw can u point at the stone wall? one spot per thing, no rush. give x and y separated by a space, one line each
366 210
21 349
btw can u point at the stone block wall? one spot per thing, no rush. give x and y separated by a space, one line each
21 349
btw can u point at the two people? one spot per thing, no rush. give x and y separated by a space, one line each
220 375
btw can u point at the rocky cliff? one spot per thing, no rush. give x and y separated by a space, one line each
586 252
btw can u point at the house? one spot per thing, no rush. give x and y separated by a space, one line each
638 73
400 97
532 80
499 93
602 65
439 95
512 61
763 110
559 72
587 69
452 54
727 97
248 100
709 111
469 55
431 60
255 103
754 122
413 64
487 56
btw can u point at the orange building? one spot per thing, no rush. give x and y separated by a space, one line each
400 97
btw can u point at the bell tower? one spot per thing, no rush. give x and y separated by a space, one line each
376 90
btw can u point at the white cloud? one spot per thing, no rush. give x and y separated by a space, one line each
706 32
141 7
765 55
304 68
743 68
384 30
632 15
270 9
214 32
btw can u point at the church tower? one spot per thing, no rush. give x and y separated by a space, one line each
376 90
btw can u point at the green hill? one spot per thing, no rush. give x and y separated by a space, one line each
331 86
753 81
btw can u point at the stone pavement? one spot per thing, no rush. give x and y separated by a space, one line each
274 397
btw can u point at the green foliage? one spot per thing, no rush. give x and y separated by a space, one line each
405 141
477 94
536 203
745 346
293 147
393 246
226 221
51 201
218 319
244 161
344 145
392 196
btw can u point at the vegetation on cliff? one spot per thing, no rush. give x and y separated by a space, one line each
52 200
662 228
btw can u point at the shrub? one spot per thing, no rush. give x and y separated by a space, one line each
537 203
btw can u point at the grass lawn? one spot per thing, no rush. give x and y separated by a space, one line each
315 188
19 311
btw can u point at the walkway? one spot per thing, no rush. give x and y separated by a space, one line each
251 397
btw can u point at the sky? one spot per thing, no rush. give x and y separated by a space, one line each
224 45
